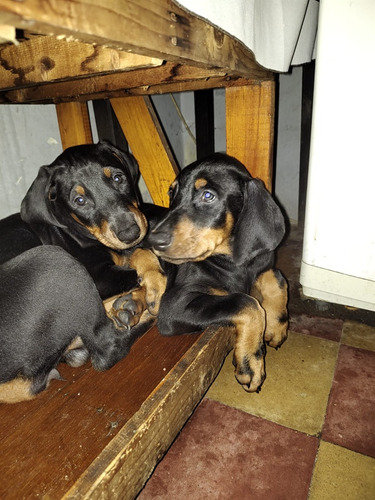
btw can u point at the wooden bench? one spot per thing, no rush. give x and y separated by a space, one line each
99 435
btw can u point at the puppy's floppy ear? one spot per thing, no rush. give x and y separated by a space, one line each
127 159
260 227
35 207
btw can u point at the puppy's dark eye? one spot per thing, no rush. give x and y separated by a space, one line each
79 200
208 197
118 178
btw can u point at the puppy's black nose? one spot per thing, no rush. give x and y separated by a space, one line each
160 240
129 234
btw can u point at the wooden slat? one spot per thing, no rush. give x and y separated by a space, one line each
74 124
147 142
170 77
48 443
157 28
250 127
125 464
46 59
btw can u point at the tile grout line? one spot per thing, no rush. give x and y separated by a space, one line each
325 414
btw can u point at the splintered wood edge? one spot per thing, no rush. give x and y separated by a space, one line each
125 464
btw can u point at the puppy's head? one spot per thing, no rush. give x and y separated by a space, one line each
216 207
90 192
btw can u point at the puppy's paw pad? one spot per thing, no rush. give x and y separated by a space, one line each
126 311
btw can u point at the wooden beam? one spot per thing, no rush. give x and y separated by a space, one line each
170 77
250 127
157 28
74 124
147 142
44 59
126 463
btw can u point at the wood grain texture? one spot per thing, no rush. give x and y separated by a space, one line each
123 467
147 142
48 443
170 77
156 28
250 127
46 59
74 124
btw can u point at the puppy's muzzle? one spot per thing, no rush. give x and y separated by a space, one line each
160 240
129 233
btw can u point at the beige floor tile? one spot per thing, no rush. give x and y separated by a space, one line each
295 392
358 335
342 474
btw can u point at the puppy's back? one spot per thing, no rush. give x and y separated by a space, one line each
47 298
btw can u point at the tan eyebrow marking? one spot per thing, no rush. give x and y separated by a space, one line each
80 190
199 183
107 172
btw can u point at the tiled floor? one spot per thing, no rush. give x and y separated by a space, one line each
309 433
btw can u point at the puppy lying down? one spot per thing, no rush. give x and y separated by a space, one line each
50 311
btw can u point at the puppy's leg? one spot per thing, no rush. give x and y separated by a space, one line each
76 353
127 309
16 390
22 389
249 349
271 290
151 277
183 312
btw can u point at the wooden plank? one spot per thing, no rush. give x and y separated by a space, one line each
48 443
250 127
148 144
170 77
125 464
74 124
46 59
157 28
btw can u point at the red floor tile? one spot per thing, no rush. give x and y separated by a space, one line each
325 328
224 453
350 419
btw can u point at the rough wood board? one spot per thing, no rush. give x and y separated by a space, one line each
250 127
156 28
125 464
148 144
170 77
74 124
48 443
46 59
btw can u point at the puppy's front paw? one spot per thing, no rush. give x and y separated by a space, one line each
154 283
127 309
249 369
276 331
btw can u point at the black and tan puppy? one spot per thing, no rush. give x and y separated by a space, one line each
86 202
49 306
218 240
